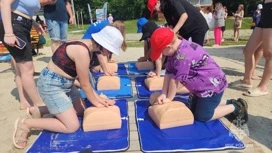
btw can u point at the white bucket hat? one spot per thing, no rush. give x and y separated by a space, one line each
109 38
260 6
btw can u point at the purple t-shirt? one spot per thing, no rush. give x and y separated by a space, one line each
196 70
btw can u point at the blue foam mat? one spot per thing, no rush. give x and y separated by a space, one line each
199 136
97 141
142 90
132 69
124 92
122 70
5 57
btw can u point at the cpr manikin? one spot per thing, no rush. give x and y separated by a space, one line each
154 83
104 118
170 114
147 65
112 66
108 83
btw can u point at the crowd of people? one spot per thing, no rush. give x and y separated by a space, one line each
168 46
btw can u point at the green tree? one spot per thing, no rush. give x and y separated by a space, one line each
121 9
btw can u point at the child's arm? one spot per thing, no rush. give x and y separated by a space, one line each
165 88
181 21
172 89
179 10
147 53
82 68
158 63
103 63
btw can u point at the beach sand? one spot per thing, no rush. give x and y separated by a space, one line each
230 60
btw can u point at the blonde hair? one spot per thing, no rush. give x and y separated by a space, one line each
121 27
242 6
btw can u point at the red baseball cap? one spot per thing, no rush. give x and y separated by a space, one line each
151 5
159 40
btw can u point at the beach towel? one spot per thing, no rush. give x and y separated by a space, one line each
124 92
209 136
97 141
122 70
142 90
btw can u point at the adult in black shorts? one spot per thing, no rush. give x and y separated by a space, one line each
16 24
183 17
261 36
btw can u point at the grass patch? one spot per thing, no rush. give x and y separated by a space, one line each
135 44
245 24
131 25
227 42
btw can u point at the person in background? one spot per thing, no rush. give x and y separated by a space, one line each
182 17
209 12
110 18
41 22
225 18
192 66
205 15
56 87
56 17
15 24
99 60
160 63
219 22
256 16
260 37
140 23
237 24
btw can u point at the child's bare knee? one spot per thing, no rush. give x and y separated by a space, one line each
73 128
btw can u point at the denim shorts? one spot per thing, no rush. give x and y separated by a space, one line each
203 108
56 91
57 30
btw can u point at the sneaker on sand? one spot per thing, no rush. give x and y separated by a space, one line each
241 117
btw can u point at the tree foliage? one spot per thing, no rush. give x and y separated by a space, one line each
133 9
121 9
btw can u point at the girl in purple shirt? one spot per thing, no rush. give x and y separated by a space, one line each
189 64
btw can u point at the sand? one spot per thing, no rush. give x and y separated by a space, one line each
231 61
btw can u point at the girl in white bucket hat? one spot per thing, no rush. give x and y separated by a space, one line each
56 85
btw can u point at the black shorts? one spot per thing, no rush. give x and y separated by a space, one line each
21 28
266 21
223 28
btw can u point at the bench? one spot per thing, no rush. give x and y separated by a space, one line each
34 40
3 49
4 54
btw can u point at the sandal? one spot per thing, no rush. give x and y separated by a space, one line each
35 114
255 92
240 84
256 77
20 129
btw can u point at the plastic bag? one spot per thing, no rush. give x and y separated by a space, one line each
42 40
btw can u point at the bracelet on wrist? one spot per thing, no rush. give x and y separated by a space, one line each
9 35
